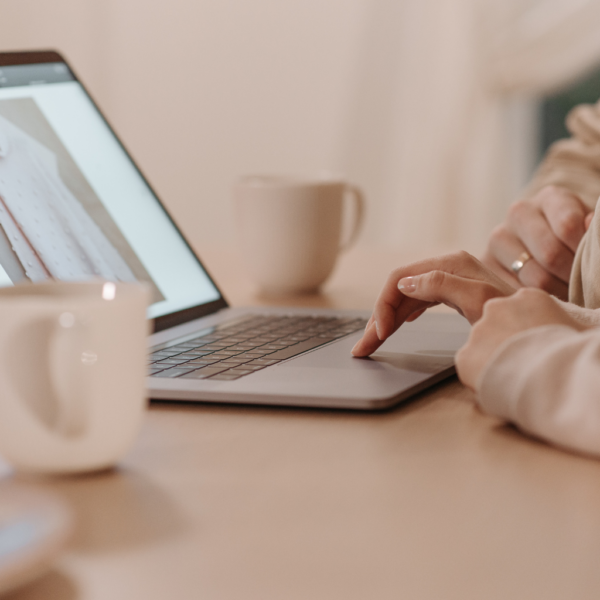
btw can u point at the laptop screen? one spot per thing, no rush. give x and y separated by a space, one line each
73 205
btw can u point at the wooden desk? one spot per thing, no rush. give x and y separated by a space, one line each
432 500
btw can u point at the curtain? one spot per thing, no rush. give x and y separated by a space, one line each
443 130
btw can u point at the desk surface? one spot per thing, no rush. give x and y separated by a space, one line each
432 500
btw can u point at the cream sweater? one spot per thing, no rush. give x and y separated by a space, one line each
547 380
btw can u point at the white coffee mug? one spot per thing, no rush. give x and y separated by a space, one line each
290 229
72 374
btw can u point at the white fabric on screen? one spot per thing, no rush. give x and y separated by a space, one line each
50 232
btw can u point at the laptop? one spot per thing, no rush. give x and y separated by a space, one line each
73 206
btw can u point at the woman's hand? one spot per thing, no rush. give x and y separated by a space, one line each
548 227
458 280
503 318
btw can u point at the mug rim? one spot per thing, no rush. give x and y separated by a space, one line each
270 181
80 290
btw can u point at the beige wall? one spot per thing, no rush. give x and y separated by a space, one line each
204 90
398 95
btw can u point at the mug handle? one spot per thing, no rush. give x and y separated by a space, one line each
69 359
358 199
63 338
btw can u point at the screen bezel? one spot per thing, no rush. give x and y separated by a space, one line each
170 319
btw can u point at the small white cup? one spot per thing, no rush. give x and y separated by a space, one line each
290 229
72 374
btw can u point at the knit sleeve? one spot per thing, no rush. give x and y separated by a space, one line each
546 381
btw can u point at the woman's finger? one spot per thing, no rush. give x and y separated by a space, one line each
391 307
371 340
533 230
566 215
505 247
368 343
467 296
417 314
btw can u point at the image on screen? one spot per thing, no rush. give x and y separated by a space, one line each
52 224
73 206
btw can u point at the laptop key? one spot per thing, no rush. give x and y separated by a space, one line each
236 372
203 361
300 347
169 363
214 347
252 355
263 362
205 372
220 356
171 373
162 356
234 361
275 346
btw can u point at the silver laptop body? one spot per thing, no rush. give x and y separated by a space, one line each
419 355
51 129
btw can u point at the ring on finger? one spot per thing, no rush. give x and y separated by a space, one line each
518 264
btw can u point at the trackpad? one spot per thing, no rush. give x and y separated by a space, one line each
422 361
337 356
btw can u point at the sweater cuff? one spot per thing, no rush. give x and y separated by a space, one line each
503 378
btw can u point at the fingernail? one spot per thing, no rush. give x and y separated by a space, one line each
378 330
408 284
355 346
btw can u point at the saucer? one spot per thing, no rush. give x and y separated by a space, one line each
34 527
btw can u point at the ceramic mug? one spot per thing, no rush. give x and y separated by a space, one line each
72 373
290 229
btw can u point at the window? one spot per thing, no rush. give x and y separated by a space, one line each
556 107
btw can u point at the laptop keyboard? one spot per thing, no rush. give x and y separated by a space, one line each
239 348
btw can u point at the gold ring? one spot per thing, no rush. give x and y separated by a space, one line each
520 262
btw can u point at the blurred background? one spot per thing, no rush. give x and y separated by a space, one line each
439 109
